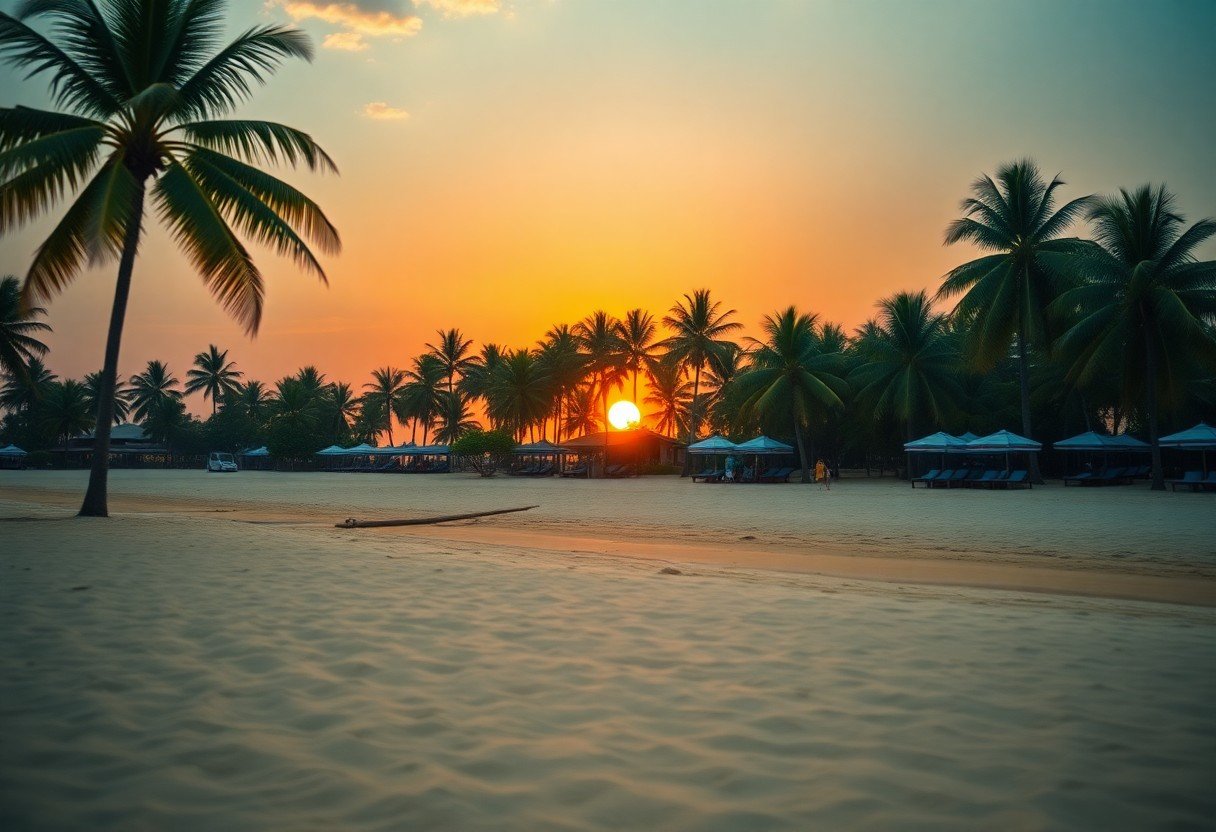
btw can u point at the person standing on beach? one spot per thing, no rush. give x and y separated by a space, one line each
821 474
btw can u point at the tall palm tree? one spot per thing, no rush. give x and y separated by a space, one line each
670 395
520 392
18 326
253 400
1006 294
698 327
564 365
140 94
339 407
213 374
384 394
581 416
22 392
65 410
455 417
600 340
1147 304
909 363
476 379
453 351
421 399
639 345
312 379
150 389
790 377
122 396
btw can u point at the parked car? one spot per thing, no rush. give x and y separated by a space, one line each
219 462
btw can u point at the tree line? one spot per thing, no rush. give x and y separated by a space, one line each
1049 334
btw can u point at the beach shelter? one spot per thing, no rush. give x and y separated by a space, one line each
1200 438
13 451
257 452
1090 441
541 448
968 436
1005 442
332 450
715 444
764 446
935 443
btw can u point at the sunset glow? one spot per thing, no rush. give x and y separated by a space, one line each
624 415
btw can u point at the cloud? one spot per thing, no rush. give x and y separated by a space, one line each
355 18
344 41
380 111
462 8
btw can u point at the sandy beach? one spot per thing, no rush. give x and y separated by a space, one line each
217 655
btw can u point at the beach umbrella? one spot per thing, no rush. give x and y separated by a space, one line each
262 451
713 445
1005 442
762 445
332 450
1200 438
968 436
936 443
361 448
1090 441
541 448
12 450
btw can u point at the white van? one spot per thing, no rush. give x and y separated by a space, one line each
219 462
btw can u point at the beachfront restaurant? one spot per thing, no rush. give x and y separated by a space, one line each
130 447
623 452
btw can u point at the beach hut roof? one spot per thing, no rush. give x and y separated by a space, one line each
936 443
615 438
12 450
124 432
715 444
763 445
1091 441
542 447
332 450
1202 437
262 451
1003 441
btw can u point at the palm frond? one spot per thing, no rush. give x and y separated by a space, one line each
229 78
260 141
72 86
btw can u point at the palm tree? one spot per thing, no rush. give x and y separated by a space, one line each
909 363
18 346
1006 294
520 392
339 407
791 376
697 328
455 417
1147 304
564 365
254 402
384 394
214 374
581 410
421 399
475 382
671 397
140 95
312 379
65 410
122 397
453 351
637 333
600 341
22 392
150 389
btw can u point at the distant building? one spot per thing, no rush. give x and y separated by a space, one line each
130 447
636 447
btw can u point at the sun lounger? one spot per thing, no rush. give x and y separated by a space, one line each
985 480
959 478
575 471
926 478
1191 479
941 479
1078 479
1016 479
704 475
776 475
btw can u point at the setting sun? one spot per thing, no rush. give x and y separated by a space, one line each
624 415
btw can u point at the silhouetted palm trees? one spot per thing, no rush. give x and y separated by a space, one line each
213 374
139 93
18 329
384 396
151 389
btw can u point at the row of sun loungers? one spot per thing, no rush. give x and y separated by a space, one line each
973 478
544 469
771 475
612 471
1109 476
394 466
1195 480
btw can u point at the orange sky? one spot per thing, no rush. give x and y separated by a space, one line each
551 158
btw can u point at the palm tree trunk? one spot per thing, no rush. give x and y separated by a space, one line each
95 502
1150 380
1024 383
806 470
692 420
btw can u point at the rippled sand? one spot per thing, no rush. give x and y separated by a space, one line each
185 671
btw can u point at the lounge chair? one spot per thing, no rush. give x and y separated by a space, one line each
1078 479
1017 479
942 479
986 480
704 475
959 478
579 470
1191 479
927 478
776 475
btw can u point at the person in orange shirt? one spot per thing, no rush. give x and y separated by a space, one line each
822 475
